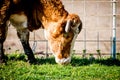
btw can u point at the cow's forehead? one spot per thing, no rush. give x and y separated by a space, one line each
61 36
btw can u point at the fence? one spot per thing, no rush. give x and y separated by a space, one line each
96 34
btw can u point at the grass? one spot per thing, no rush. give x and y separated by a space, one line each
46 69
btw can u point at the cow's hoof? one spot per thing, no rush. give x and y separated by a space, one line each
4 60
32 61
1 61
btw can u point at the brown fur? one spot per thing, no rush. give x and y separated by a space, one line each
34 9
49 14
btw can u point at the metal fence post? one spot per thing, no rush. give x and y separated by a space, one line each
114 30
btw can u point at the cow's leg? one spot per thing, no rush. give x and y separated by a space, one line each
3 33
24 38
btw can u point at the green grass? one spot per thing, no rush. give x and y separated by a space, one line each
46 69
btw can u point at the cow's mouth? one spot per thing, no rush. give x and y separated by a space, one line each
63 61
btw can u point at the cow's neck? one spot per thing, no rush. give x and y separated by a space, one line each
50 23
53 12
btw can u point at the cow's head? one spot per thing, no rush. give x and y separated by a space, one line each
61 37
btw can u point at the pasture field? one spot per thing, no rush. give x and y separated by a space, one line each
17 68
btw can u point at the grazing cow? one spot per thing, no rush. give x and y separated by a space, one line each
61 28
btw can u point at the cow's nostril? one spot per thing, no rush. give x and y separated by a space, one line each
63 61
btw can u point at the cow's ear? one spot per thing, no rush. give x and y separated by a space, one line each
76 25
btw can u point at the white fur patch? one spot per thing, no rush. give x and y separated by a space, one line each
73 41
19 21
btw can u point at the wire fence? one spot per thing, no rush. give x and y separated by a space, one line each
95 36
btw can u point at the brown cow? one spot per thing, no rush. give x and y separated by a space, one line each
61 28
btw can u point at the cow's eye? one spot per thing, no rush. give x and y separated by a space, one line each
66 35
55 35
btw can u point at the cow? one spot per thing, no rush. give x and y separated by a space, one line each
61 28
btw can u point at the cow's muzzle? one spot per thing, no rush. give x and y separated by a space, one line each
63 61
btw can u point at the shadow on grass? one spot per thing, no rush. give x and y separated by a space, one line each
107 62
22 57
50 60
76 61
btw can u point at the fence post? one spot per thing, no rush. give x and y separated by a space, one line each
98 46
114 30
98 41
46 55
34 44
84 51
